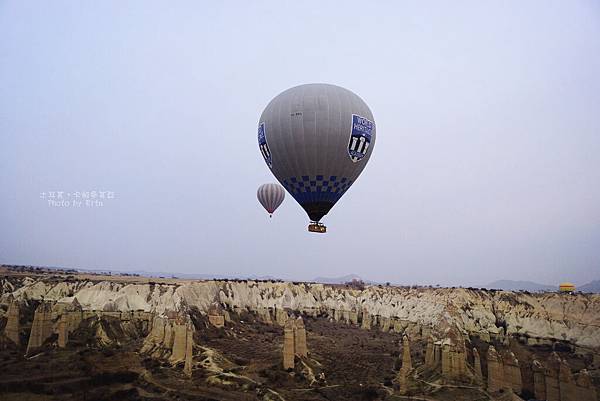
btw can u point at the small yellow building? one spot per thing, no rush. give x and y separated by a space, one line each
566 287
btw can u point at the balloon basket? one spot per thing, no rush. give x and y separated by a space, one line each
317 228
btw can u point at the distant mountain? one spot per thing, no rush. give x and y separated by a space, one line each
594 286
341 280
511 285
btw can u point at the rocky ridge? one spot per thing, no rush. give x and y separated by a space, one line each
489 314
461 328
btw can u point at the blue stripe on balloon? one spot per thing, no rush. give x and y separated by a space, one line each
317 188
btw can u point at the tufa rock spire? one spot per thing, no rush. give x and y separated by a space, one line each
406 368
495 370
12 328
406 359
477 364
300 338
41 328
294 342
288 345
539 380
551 378
512 373
189 349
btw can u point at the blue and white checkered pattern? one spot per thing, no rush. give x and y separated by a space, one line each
317 188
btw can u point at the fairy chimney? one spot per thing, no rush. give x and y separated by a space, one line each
495 370
477 364
288 345
512 373
189 348
12 328
406 368
539 380
551 378
41 327
300 338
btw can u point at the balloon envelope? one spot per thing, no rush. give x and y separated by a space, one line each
316 139
270 196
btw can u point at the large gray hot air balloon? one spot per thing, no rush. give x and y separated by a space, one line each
316 139
270 196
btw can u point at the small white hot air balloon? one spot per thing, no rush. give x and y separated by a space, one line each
270 196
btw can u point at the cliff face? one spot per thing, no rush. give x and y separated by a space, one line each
488 314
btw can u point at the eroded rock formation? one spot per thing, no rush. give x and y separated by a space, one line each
568 390
189 350
556 382
445 320
477 364
216 315
585 389
13 328
404 381
512 373
384 324
168 337
433 354
294 341
300 337
366 319
63 333
406 358
178 350
504 373
537 318
41 328
70 317
551 378
495 370
353 317
454 357
281 316
288 345
539 380
429 353
264 315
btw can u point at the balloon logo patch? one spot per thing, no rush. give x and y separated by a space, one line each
360 137
262 144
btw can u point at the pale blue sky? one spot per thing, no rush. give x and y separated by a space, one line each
487 163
